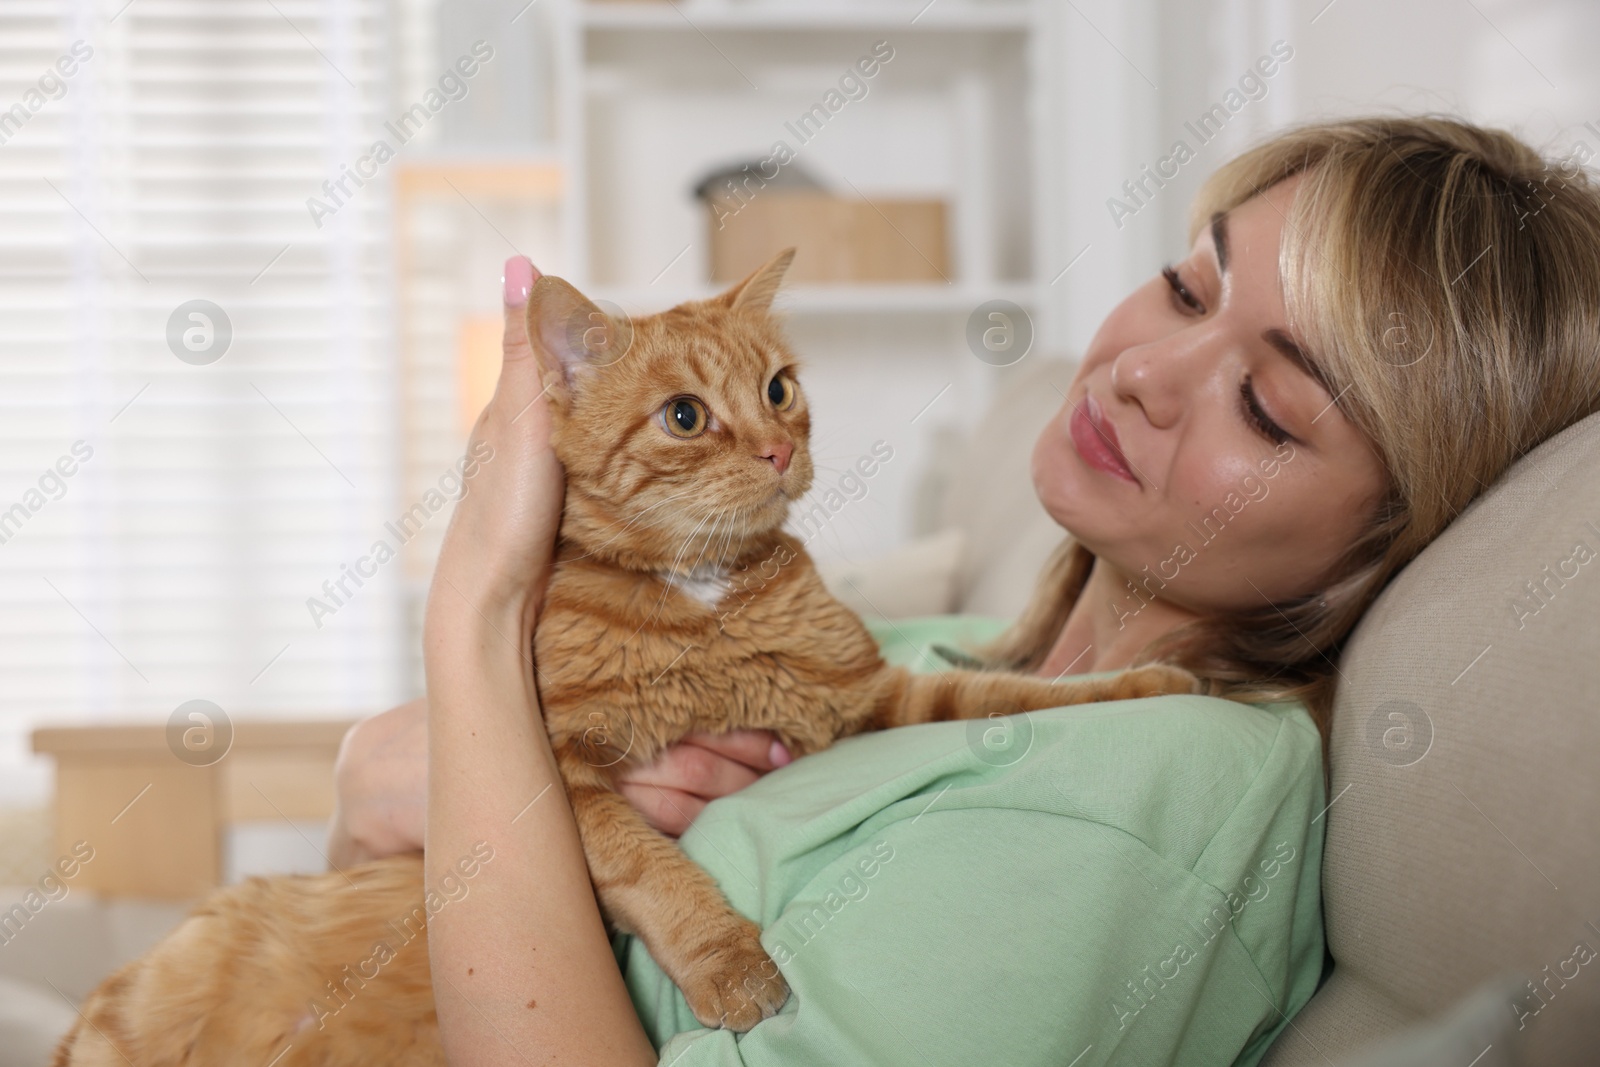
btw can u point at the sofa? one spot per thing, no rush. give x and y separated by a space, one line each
1462 871
1461 881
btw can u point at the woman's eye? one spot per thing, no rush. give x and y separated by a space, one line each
684 416
781 391
1181 291
1257 416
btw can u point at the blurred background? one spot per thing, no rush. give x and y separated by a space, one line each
250 257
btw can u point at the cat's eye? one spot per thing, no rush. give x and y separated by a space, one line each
781 391
684 416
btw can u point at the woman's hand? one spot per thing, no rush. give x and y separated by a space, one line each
381 782
671 792
497 551
380 787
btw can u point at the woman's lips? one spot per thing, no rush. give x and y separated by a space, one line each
1096 440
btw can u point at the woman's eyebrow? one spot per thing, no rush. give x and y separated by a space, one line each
1286 346
1277 338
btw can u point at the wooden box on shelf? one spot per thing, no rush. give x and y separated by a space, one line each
837 240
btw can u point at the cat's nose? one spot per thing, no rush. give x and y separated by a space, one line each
779 454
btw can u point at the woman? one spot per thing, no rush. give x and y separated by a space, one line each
1376 318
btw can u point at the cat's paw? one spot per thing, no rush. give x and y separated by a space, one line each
734 984
1158 679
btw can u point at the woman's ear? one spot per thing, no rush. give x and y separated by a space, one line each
568 331
755 293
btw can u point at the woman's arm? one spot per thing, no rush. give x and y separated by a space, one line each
522 968
381 782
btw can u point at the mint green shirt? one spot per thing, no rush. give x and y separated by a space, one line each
1135 882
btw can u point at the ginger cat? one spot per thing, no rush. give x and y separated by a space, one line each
678 603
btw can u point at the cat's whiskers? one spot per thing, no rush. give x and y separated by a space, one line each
669 573
666 585
688 540
743 533
710 539
657 504
674 576
627 525
727 543
706 542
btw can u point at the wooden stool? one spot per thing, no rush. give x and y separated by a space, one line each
156 822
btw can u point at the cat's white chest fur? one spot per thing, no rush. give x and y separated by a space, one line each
707 585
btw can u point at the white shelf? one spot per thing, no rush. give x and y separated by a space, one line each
752 15
911 298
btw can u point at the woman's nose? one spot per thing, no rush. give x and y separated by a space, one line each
1160 376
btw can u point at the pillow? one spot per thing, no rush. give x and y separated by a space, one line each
989 493
915 579
1462 836
993 535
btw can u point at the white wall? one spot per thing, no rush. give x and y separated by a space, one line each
1527 65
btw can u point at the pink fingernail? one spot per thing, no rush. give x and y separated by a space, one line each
518 280
779 755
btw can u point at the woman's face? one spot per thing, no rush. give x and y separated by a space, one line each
1196 451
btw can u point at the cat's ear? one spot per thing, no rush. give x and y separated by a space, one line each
755 293
569 331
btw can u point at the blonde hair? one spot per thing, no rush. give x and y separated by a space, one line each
1447 279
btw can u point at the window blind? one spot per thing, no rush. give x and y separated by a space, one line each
197 377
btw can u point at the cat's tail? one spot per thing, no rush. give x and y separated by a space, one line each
946 694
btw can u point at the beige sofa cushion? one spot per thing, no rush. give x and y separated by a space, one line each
1007 534
1464 836
917 578
991 535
